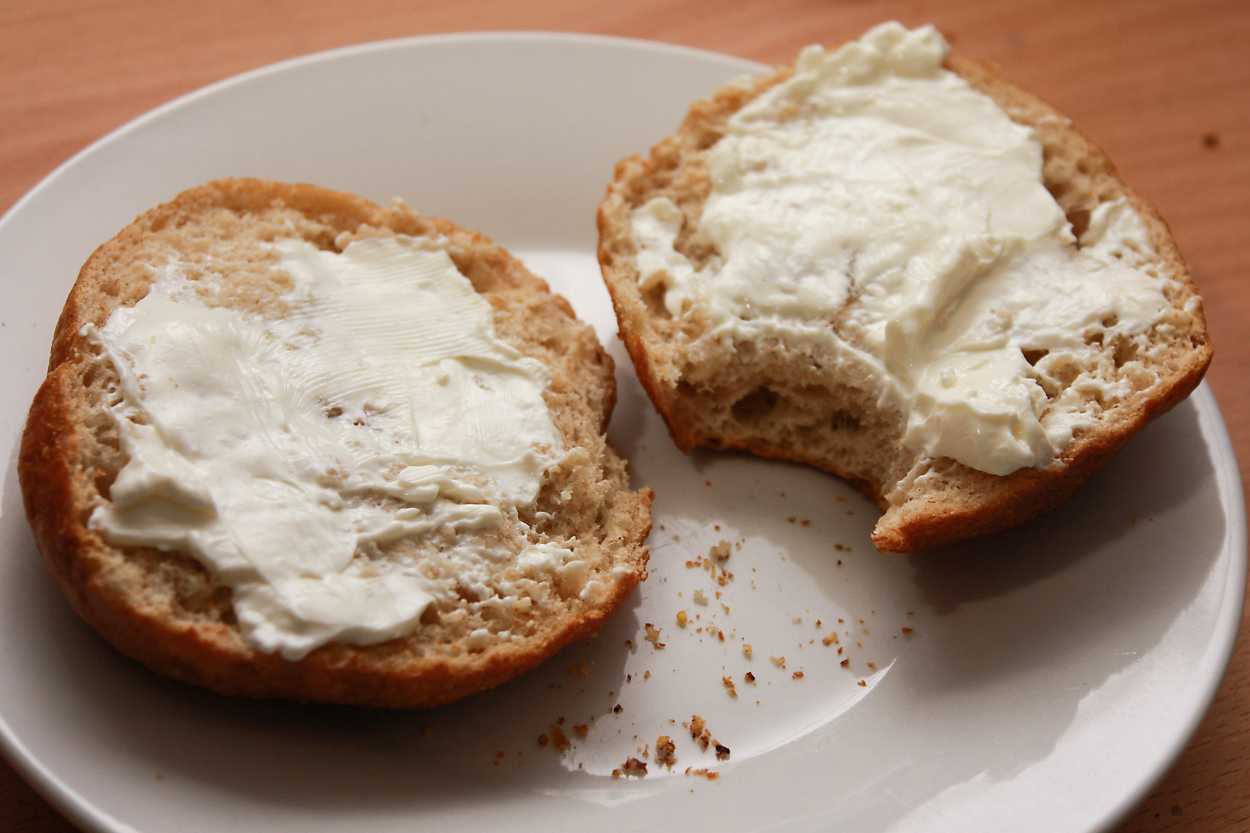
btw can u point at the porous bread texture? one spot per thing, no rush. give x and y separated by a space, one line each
796 403
164 609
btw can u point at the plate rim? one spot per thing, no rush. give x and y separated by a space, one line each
384 44
84 814
1228 627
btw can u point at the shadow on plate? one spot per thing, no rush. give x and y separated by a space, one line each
1024 626
1120 555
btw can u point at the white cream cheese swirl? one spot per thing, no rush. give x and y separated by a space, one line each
878 190
284 453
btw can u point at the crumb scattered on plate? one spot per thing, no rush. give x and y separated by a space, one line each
632 768
665 751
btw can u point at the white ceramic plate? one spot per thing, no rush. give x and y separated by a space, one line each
1051 674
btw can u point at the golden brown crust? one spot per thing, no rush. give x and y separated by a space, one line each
1032 491
1078 173
211 652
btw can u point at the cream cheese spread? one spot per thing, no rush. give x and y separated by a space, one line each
339 465
876 204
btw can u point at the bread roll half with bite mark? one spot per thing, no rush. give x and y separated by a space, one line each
895 265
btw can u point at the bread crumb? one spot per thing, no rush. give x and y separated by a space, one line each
830 638
747 650
698 732
581 730
906 631
702 773
797 675
558 739
646 675
713 562
722 752
700 598
780 662
632 768
617 709
653 636
682 618
665 751
749 677
863 684
728 683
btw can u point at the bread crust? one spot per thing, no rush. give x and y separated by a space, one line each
214 654
1073 164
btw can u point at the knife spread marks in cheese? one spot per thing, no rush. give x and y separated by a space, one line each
342 465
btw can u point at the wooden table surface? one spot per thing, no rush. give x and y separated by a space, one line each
1163 86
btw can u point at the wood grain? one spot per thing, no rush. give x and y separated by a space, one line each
1162 85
